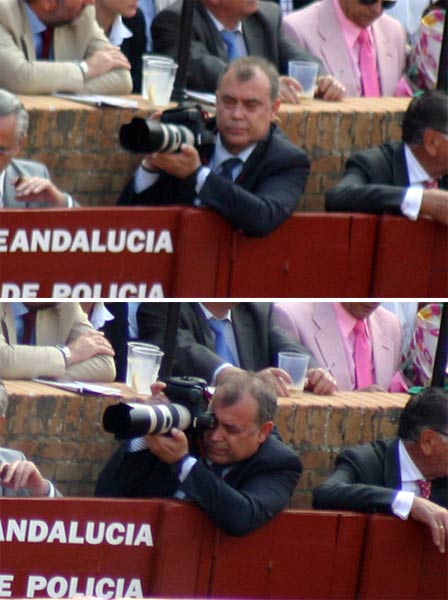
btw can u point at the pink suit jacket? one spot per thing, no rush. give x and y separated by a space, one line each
316 28
314 324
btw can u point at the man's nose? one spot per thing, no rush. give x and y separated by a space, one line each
216 433
238 111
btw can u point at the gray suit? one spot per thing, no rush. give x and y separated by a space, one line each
26 168
9 456
263 36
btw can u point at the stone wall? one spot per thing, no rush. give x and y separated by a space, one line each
62 432
79 143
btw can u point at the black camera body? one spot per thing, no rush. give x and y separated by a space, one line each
189 411
185 124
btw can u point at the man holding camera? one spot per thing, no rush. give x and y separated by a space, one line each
243 477
253 175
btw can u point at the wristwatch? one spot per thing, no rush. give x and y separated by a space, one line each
84 68
66 353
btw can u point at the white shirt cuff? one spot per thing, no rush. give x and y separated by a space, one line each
143 180
201 176
412 202
51 490
187 465
401 506
137 444
218 371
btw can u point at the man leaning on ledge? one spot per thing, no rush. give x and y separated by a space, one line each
49 46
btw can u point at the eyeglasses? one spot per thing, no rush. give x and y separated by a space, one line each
386 3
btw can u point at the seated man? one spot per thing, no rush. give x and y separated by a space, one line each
401 177
80 60
215 339
255 175
357 43
243 479
359 342
150 8
23 183
50 339
18 476
405 476
223 31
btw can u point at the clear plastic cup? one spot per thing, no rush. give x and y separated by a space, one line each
144 362
296 365
158 77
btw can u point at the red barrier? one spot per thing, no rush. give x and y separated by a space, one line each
411 257
312 255
401 561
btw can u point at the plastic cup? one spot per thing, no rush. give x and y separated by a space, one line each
158 77
144 362
306 75
296 365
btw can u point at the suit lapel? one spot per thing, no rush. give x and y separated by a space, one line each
203 332
383 350
328 340
253 38
242 327
211 34
399 167
392 475
385 56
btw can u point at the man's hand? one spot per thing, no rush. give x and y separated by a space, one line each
39 189
169 449
435 516
277 378
88 345
435 205
23 474
103 61
289 90
319 381
329 88
178 164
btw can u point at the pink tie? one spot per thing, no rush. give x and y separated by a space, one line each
367 65
424 487
363 356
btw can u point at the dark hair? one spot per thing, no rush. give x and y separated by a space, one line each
426 111
426 410
246 67
237 384
11 105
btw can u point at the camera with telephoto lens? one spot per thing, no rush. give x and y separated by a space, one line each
189 412
186 124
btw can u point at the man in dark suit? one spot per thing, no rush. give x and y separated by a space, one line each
401 178
23 183
405 476
252 338
259 32
269 173
243 479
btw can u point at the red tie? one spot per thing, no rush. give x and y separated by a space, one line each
29 325
363 356
47 42
424 487
367 65
431 184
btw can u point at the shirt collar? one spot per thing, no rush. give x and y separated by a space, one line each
416 172
2 187
119 32
409 471
209 315
19 309
349 29
219 26
221 153
346 321
36 24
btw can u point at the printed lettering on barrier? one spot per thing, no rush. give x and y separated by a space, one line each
87 253
69 547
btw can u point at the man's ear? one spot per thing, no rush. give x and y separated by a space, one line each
431 141
265 431
275 110
427 441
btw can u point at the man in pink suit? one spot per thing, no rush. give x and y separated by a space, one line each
328 330
336 30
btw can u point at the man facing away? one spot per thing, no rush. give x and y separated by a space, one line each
402 178
23 183
244 475
406 476
253 176
49 46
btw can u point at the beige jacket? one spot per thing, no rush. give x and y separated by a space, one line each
60 324
21 73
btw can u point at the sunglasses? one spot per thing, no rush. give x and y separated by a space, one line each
386 3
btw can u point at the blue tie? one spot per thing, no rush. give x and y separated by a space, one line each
222 348
226 168
230 39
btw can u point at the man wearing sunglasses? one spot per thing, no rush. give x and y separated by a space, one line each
23 183
406 476
358 44
402 178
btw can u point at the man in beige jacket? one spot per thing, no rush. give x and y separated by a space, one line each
60 342
49 46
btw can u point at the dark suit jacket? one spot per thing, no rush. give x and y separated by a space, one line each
367 479
254 491
264 195
263 35
134 47
375 181
258 339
